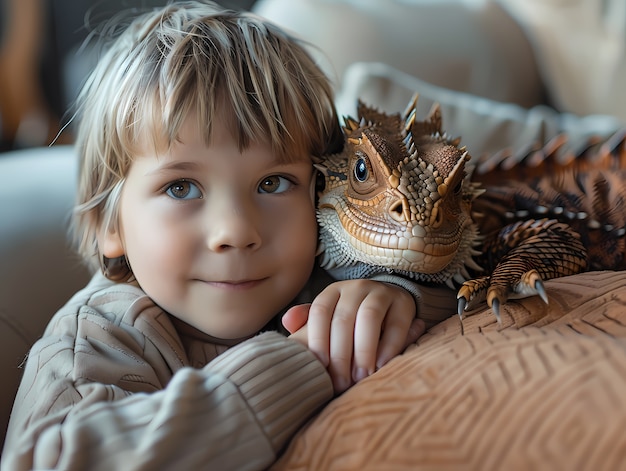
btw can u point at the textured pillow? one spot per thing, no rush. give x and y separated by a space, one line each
544 390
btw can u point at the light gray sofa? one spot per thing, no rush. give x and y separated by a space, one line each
38 272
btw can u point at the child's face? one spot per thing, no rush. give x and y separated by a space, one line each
219 238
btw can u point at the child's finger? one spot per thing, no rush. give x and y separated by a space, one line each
398 331
295 318
366 338
342 343
417 329
320 317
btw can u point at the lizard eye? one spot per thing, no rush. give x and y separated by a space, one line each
360 170
364 177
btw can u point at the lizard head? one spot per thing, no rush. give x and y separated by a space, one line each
398 197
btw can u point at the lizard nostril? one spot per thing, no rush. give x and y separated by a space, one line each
396 211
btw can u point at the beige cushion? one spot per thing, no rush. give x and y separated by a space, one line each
467 45
544 390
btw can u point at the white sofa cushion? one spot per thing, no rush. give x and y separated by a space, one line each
38 271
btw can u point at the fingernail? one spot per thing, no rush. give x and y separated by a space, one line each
381 362
360 373
342 384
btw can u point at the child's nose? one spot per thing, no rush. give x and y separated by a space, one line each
235 227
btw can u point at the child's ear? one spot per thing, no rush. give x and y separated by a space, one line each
110 243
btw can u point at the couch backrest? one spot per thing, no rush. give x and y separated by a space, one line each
38 271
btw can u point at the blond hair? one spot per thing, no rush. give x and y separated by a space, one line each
192 57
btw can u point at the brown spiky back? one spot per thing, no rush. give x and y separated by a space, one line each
587 190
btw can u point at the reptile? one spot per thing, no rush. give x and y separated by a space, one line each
404 197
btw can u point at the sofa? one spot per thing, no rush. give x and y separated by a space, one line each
541 390
38 271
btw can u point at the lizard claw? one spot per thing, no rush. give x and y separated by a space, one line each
541 291
530 284
462 304
495 306
471 294
496 297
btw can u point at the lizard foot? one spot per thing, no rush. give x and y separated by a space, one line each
497 291
526 285
471 293
528 253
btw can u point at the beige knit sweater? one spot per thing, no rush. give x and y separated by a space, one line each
113 385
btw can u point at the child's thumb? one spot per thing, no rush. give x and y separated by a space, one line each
296 317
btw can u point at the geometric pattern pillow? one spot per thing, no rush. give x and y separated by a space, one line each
544 390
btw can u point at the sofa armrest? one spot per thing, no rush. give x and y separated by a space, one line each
38 271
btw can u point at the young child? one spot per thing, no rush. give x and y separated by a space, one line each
196 209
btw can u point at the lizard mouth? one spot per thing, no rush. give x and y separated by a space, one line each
414 253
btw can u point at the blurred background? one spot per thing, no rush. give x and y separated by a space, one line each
42 64
568 55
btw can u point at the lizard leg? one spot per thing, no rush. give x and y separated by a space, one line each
527 253
472 293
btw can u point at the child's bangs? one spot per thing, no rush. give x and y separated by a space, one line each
262 86
157 120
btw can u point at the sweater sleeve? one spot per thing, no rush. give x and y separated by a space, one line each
434 302
102 399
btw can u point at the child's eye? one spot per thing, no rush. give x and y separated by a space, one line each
183 190
274 184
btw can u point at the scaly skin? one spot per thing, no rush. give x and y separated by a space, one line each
402 197
397 199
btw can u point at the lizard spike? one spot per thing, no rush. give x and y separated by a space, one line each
409 120
556 143
476 192
455 142
434 117
616 142
412 106
471 263
323 169
458 277
475 253
350 124
325 260
450 283
459 166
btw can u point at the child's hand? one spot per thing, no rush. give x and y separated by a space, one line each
355 327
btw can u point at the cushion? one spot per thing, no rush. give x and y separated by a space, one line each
39 271
466 45
545 389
